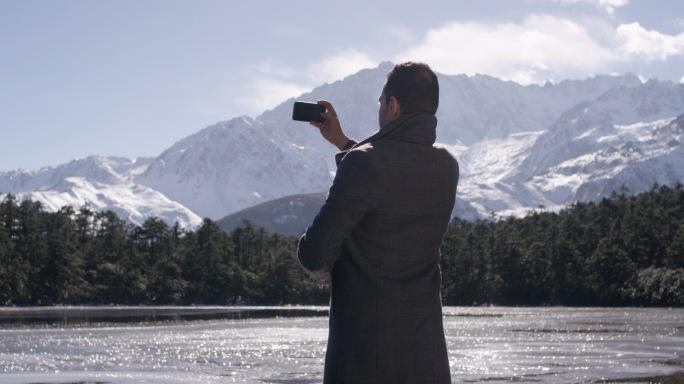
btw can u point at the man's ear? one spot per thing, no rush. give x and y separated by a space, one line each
394 108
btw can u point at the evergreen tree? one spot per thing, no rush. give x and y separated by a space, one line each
157 245
105 267
62 274
508 252
6 252
208 275
675 250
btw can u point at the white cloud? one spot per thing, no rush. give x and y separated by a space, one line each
339 66
265 93
535 50
399 34
274 69
650 45
608 5
541 48
275 82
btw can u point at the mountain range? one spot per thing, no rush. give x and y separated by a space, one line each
520 148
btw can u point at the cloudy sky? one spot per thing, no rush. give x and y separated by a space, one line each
132 77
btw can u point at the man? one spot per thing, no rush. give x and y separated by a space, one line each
377 238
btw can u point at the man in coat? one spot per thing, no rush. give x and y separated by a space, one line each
377 239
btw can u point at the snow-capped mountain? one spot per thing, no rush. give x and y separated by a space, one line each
233 165
519 147
103 184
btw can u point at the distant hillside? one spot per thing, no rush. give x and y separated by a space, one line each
288 216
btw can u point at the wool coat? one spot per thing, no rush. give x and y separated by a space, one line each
377 241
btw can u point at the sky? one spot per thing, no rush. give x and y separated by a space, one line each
132 77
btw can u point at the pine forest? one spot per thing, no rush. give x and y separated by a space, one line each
621 251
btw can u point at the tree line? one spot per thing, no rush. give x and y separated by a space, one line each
86 257
620 251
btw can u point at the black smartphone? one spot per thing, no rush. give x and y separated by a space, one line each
302 111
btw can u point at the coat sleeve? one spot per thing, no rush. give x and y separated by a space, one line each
347 147
353 194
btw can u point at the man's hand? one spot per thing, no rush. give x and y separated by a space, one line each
331 130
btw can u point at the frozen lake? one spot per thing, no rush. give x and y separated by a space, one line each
287 345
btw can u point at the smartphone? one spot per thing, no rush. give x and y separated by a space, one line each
302 111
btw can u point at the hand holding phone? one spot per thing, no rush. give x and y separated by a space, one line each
303 111
329 126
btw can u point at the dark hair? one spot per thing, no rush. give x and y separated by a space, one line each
415 87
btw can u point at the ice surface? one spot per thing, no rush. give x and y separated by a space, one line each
562 345
550 345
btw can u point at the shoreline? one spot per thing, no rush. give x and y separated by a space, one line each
88 314
673 378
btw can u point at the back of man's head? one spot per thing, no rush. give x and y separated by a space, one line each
415 87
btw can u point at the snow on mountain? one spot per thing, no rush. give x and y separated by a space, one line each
584 156
103 184
519 148
243 162
576 131
599 142
479 108
233 165
355 100
635 157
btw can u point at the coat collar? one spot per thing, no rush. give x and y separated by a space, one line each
419 128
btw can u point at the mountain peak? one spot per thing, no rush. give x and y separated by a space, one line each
519 147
